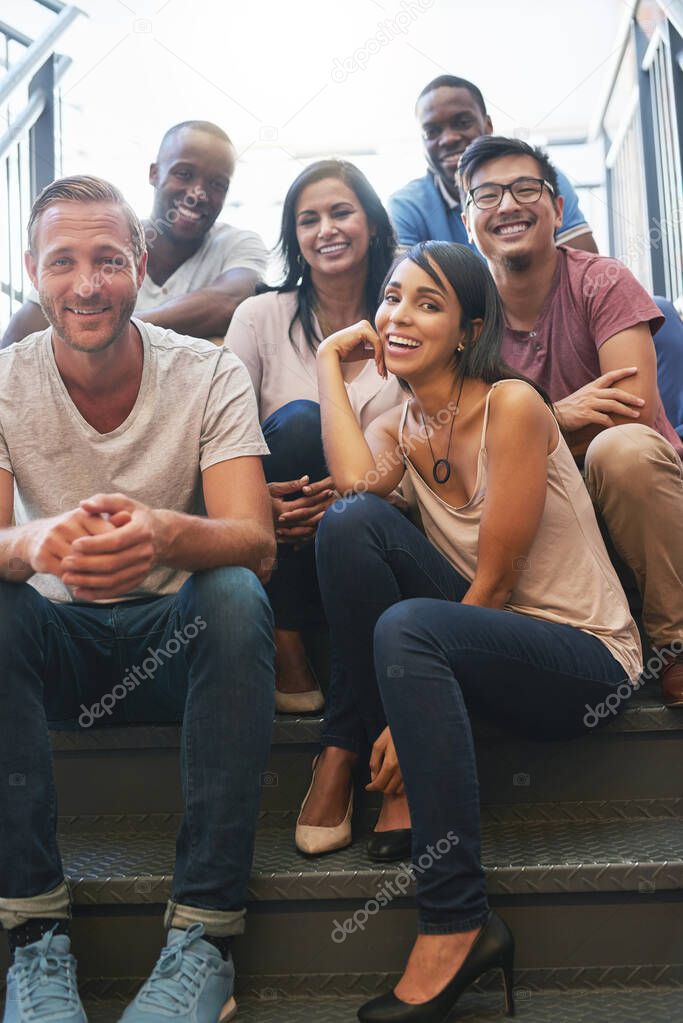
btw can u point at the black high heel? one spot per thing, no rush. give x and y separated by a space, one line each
494 948
390 846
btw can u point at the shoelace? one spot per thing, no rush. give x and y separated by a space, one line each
46 983
177 974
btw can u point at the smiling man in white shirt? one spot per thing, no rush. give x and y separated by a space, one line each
198 271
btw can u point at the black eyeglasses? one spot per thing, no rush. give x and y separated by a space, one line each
522 190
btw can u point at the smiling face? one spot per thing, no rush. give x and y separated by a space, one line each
419 323
331 227
191 179
450 119
84 269
513 233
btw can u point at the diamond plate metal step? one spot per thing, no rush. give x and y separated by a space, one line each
644 713
577 1007
637 756
113 864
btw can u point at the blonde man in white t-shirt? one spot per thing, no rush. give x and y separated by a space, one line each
198 271
131 457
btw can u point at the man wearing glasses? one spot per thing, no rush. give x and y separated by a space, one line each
581 326
452 113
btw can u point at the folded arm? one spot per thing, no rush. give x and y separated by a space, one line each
206 312
625 392
28 319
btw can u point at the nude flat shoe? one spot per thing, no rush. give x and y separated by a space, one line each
299 703
314 841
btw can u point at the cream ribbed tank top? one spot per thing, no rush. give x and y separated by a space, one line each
569 577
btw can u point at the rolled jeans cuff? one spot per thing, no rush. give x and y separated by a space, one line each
54 905
219 923
453 926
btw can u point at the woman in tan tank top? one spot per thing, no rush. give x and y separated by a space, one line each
480 613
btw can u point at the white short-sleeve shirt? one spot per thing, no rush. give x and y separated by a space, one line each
195 408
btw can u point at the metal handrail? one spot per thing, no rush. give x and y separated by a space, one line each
673 11
32 111
14 34
37 52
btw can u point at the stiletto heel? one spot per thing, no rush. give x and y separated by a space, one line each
494 947
508 980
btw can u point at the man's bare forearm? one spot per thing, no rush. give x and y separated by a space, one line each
194 544
203 313
14 559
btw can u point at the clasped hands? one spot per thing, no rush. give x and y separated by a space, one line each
296 521
103 549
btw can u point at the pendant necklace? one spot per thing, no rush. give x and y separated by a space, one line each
442 467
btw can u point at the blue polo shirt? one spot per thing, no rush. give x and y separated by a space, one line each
422 212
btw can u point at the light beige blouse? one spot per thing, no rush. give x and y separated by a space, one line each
569 577
282 372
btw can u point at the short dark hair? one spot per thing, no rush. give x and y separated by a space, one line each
453 82
492 147
297 272
206 126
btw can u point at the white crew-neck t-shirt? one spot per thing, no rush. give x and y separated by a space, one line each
195 408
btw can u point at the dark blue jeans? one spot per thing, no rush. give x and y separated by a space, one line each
296 449
411 656
669 347
204 657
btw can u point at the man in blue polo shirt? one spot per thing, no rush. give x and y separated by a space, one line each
452 113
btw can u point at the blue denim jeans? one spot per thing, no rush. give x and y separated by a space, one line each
203 657
669 347
412 656
296 449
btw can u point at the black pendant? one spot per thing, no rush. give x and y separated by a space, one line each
441 471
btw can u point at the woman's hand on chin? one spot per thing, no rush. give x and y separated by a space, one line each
354 344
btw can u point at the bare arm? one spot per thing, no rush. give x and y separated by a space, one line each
27 320
13 564
239 527
42 545
206 312
352 457
626 392
519 435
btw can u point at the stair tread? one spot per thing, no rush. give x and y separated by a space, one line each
125 866
632 1006
645 713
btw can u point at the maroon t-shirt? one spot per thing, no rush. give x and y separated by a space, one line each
591 299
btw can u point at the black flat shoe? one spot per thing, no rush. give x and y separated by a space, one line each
390 846
494 948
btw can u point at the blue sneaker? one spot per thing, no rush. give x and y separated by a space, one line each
41 984
191 983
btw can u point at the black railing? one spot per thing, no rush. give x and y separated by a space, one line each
641 123
29 143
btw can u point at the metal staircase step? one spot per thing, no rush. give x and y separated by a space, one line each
637 756
635 1006
110 862
644 713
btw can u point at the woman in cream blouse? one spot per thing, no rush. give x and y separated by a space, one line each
337 245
